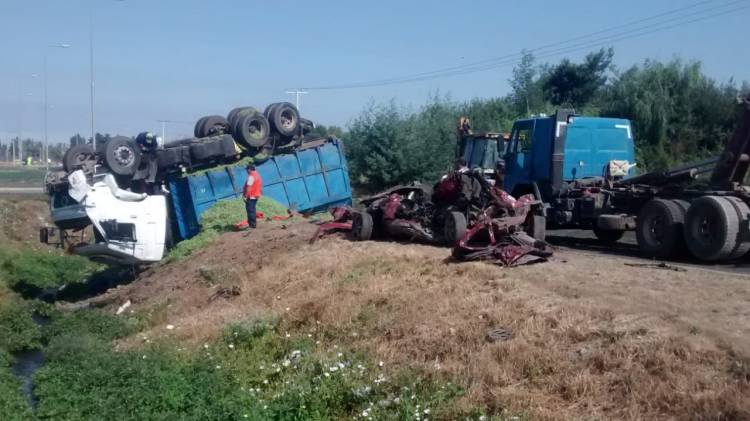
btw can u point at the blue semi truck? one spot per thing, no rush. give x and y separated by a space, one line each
132 227
583 170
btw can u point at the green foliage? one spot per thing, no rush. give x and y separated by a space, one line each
221 217
18 331
576 85
30 272
254 372
13 406
95 323
678 113
21 176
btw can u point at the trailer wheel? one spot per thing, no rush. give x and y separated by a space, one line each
213 126
608 236
362 226
454 228
237 112
659 228
711 228
122 156
252 131
76 156
284 118
743 212
198 126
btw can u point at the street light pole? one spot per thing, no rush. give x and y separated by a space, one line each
46 106
297 93
91 68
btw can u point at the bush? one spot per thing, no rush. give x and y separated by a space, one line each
18 331
31 272
254 372
95 323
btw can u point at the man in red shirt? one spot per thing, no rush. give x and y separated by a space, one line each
251 193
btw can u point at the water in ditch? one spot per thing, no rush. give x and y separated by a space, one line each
26 363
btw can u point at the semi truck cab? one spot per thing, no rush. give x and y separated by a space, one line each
551 152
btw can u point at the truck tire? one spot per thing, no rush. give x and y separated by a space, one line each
454 228
122 156
608 236
236 112
198 126
284 119
76 156
206 151
537 227
711 228
743 212
214 125
251 130
269 109
659 228
362 226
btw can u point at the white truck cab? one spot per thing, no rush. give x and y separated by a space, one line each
129 227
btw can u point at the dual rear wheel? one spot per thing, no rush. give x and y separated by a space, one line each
711 228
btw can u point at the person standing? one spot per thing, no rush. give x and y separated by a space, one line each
252 191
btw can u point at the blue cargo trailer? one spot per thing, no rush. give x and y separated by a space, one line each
311 179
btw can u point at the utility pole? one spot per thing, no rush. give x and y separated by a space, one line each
164 130
91 68
45 151
297 92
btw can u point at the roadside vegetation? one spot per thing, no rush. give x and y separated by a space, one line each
21 176
221 218
679 115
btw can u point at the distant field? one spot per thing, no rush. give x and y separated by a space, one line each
21 176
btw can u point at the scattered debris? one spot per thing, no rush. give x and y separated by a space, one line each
660 265
499 334
226 293
123 307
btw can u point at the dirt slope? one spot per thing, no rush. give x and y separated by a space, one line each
591 337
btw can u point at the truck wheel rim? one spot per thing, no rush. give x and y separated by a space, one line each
255 130
124 155
287 119
656 228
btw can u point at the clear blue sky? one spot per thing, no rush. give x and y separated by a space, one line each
181 59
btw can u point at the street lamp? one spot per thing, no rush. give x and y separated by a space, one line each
91 66
46 140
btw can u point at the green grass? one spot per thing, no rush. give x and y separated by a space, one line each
22 176
255 371
221 218
30 272
13 406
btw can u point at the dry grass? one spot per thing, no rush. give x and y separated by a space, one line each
591 339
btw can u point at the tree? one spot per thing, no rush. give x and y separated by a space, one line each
526 85
576 85
77 139
678 114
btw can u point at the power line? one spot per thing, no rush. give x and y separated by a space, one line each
504 60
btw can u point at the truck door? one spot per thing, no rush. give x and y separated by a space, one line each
518 156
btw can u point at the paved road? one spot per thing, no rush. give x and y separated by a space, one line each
585 242
20 190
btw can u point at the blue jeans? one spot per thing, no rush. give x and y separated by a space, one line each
250 208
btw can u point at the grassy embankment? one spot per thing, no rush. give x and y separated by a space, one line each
255 370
